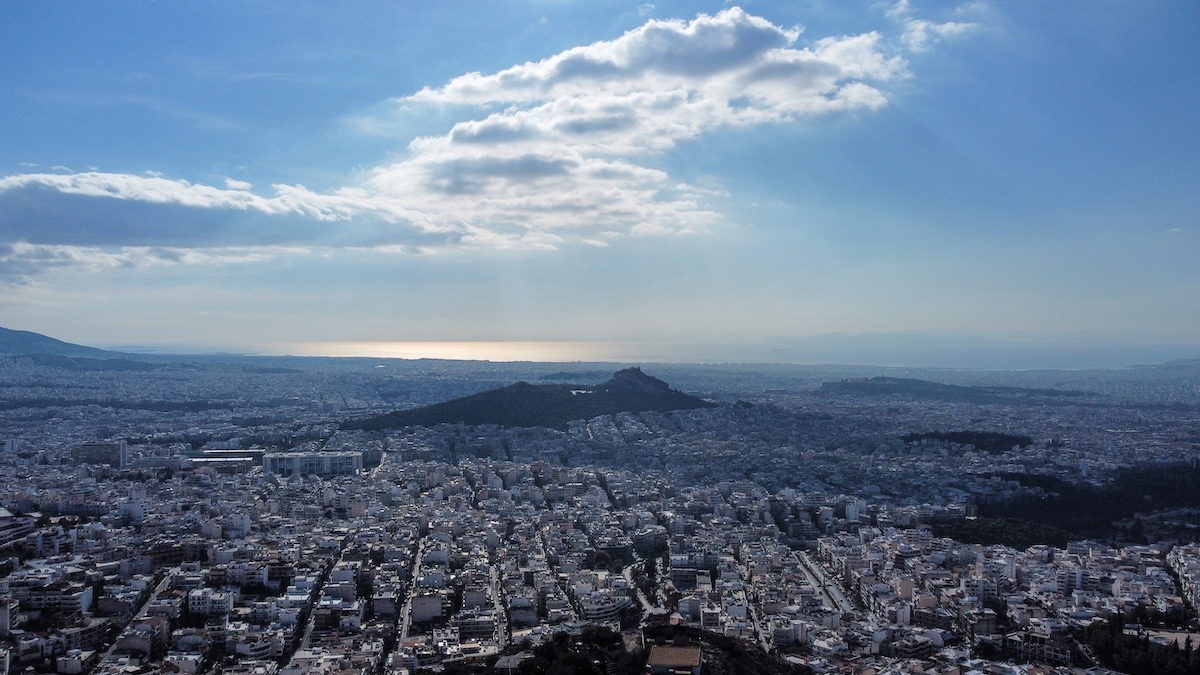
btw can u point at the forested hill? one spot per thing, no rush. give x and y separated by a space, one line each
923 389
543 405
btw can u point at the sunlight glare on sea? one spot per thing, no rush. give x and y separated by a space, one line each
488 351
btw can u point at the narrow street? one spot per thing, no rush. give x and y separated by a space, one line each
406 613
501 615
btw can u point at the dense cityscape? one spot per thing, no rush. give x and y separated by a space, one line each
221 515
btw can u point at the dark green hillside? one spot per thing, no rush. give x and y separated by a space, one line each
543 405
1079 511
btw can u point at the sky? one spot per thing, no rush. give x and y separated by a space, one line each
804 181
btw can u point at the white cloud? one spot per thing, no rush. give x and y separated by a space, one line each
154 188
561 154
557 153
919 34
20 260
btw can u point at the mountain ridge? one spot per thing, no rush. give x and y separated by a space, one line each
28 343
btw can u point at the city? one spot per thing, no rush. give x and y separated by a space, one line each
224 516
621 337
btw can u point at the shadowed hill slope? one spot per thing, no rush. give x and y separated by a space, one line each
23 342
543 405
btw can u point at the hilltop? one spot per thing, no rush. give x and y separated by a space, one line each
544 405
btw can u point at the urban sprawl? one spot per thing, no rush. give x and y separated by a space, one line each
214 517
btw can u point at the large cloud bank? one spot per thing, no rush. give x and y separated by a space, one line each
555 153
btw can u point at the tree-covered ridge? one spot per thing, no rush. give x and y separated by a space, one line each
544 405
1069 511
924 389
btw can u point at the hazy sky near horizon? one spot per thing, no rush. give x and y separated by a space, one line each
239 174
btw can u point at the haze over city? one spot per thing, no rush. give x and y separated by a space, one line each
1011 184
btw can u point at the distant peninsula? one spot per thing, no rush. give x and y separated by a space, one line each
543 405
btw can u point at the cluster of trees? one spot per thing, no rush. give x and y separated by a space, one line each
1154 617
600 651
1019 534
1136 654
597 651
1071 511
987 441
645 577
1087 511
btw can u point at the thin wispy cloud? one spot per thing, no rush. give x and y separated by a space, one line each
155 188
921 34
552 152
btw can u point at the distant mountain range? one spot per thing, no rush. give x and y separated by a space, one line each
544 405
23 342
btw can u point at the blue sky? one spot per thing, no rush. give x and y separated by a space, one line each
246 175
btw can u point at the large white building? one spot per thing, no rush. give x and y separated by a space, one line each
13 527
340 463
